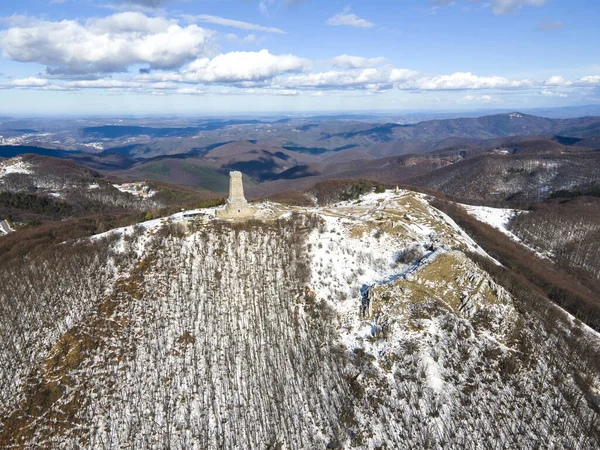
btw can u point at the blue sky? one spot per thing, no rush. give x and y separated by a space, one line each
220 56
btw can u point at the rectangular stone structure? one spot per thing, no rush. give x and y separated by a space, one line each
237 206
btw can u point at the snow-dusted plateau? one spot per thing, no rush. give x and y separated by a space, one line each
364 324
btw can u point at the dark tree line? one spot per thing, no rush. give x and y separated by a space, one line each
34 203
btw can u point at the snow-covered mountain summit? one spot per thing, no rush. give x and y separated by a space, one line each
364 324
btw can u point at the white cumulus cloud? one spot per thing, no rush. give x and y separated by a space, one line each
235 67
350 19
191 91
370 79
244 66
462 80
556 80
547 93
356 62
591 80
479 99
110 44
30 82
587 81
102 84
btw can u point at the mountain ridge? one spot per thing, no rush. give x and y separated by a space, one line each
379 300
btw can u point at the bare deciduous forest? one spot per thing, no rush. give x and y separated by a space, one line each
568 230
210 336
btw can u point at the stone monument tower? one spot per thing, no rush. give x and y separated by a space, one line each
237 206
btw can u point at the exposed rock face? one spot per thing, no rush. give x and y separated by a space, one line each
237 206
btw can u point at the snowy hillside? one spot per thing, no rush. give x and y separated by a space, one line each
71 182
500 218
14 165
365 324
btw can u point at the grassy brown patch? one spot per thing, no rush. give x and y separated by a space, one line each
49 407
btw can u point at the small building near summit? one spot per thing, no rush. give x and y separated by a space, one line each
236 206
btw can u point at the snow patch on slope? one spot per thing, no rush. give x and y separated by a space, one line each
499 218
495 217
346 264
14 165
135 189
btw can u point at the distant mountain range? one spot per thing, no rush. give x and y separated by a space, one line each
459 156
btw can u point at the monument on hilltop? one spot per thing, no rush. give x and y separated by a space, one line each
236 206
